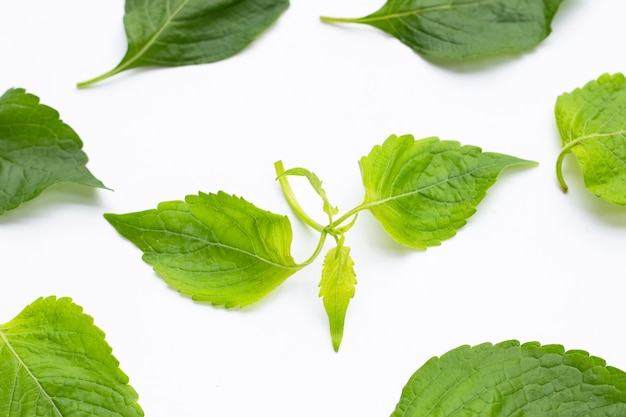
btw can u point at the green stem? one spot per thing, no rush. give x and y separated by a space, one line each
559 170
99 78
559 162
349 214
292 200
318 250
327 19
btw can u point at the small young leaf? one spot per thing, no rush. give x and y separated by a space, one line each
184 32
460 29
213 247
422 191
592 125
55 362
509 379
37 150
337 288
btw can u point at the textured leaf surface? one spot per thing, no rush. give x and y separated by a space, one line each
213 247
457 29
422 191
184 32
592 125
56 363
37 150
510 379
337 288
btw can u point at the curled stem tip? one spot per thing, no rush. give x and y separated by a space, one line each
559 171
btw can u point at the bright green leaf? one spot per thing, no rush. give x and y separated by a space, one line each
422 191
184 32
509 379
213 247
592 124
37 150
56 363
457 29
337 288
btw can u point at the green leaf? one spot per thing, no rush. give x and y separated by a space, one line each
337 288
55 362
457 29
509 379
592 124
422 191
37 150
184 32
213 247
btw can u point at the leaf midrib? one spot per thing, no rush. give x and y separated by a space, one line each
220 245
418 11
30 374
383 201
128 63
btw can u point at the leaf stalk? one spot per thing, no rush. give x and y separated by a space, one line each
328 19
99 78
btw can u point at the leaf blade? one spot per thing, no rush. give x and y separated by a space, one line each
510 378
461 29
37 150
337 289
213 247
423 191
592 128
173 33
57 362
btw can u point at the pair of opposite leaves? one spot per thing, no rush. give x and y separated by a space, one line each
420 191
56 362
186 32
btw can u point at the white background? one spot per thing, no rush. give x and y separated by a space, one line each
533 264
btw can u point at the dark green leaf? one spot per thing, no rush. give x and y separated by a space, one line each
184 32
509 379
457 29
37 150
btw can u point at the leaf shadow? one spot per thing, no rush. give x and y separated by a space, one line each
374 234
55 197
477 64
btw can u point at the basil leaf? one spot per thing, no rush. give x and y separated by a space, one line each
422 191
509 379
458 29
55 362
184 32
592 125
37 150
337 288
213 247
